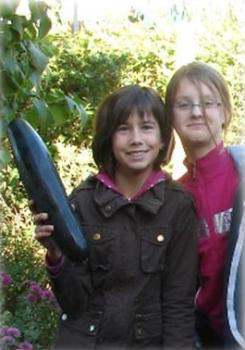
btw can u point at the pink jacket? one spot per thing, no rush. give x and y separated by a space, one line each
213 181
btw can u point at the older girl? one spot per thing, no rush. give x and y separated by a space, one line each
198 104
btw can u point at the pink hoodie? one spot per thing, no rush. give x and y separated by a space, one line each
213 181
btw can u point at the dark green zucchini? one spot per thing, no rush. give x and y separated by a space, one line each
44 186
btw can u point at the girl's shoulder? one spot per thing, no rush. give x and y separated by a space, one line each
175 188
237 152
88 184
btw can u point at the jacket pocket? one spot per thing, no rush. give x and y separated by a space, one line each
101 247
154 243
79 333
148 329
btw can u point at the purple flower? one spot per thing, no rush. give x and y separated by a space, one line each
10 331
3 331
47 294
33 298
5 279
25 346
7 339
35 287
13 332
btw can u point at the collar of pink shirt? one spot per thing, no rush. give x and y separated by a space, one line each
155 177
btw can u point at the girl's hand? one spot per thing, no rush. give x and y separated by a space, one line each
43 234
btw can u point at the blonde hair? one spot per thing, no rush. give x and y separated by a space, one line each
198 72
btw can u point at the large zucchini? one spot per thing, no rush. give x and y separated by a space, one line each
43 185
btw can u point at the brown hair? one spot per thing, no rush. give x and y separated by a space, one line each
115 110
197 73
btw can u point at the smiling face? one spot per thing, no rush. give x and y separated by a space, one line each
199 126
136 144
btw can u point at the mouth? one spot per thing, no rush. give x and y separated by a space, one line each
136 153
196 124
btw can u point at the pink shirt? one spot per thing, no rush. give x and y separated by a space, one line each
213 181
155 177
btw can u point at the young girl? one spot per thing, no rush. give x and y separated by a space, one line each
198 103
137 286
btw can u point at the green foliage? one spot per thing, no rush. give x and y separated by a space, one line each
228 56
22 259
45 78
24 57
93 65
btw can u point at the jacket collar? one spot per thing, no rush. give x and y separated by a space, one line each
110 201
210 164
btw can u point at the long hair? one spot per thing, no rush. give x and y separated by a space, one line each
115 110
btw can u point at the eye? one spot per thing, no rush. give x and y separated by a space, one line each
183 105
209 104
148 126
122 127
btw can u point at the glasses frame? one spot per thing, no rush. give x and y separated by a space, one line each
189 106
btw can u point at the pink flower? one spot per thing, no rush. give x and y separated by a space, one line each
35 287
5 279
7 339
10 331
33 298
47 294
25 346
3 331
13 332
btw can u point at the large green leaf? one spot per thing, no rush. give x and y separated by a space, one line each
44 26
60 112
18 24
42 111
38 9
38 59
77 109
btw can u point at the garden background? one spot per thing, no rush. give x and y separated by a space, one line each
54 73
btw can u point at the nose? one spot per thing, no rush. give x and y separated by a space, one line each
136 136
197 110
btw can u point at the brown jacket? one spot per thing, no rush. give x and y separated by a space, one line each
137 287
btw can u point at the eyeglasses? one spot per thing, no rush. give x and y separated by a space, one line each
187 106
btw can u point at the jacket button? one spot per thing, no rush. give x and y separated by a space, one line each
92 328
139 332
138 316
64 317
108 207
96 236
160 238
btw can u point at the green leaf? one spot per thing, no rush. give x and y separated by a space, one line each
42 112
3 128
44 26
35 80
59 112
38 59
77 108
30 31
8 85
18 24
4 157
38 9
8 7
7 37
